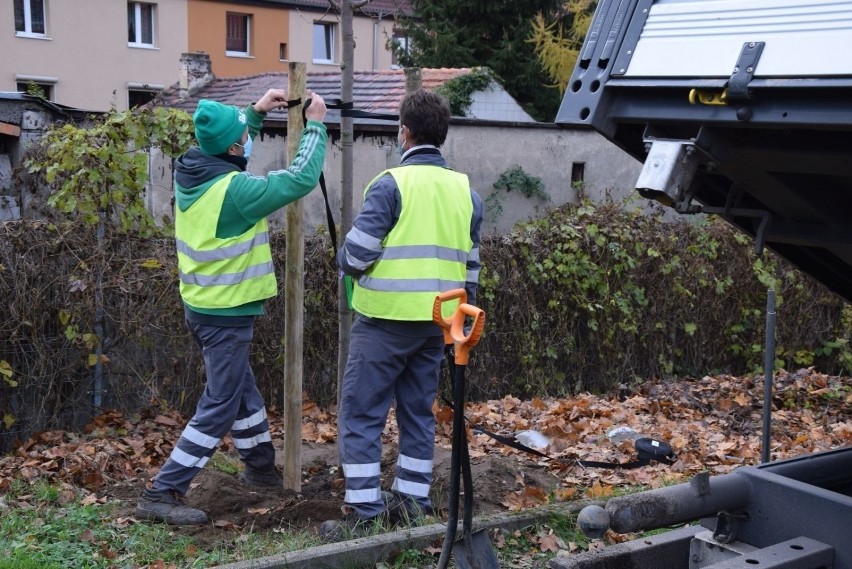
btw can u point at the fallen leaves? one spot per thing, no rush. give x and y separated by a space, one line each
527 497
599 490
713 423
548 541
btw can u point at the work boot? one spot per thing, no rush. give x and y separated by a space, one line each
402 511
261 478
165 506
349 527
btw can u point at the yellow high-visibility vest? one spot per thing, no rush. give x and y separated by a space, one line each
218 273
426 252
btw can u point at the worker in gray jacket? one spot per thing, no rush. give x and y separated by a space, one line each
416 236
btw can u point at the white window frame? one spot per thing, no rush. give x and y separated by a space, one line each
137 8
247 19
405 43
28 20
152 88
41 81
329 37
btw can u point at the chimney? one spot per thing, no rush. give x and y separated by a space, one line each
196 71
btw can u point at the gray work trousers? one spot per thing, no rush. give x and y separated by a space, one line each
230 402
383 366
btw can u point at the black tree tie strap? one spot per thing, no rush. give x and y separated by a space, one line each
346 110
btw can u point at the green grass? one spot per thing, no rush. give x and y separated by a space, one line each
516 549
46 526
225 463
38 530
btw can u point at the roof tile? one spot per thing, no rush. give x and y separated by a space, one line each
373 91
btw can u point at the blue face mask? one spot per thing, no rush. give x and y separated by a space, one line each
247 149
400 143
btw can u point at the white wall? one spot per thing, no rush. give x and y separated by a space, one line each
482 152
371 36
89 67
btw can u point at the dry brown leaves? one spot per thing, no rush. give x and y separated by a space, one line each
713 424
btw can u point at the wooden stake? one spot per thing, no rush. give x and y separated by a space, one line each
294 307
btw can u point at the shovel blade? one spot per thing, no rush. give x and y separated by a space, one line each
475 552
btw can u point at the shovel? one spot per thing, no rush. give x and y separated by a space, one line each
473 550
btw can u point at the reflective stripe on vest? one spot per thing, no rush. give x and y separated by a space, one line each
426 252
217 273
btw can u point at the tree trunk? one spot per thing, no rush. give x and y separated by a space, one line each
346 192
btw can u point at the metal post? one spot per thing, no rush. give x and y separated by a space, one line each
98 391
769 370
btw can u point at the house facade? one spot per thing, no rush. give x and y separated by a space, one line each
99 54
91 54
247 38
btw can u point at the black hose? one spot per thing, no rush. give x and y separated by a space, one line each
455 462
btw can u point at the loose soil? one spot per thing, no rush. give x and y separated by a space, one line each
231 505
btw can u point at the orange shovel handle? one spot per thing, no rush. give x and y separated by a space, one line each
453 327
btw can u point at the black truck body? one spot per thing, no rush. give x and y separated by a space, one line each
740 108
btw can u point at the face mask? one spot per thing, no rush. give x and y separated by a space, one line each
247 149
400 143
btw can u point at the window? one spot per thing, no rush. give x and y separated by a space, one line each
578 175
323 42
138 95
43 89
29 17
140 24
282 51
400 47
237 34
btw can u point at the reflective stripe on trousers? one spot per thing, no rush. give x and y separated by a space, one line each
230 402
383 366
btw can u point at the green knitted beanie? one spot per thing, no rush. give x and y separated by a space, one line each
218 126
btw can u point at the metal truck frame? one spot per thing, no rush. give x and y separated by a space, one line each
740 108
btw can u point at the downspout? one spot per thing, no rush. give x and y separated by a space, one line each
376 27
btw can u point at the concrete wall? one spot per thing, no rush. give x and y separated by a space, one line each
16 203
482 152
85 51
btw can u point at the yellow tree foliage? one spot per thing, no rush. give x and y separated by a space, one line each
558 40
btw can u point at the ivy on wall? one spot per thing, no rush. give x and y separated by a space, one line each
585 298
103 168
518 180
459 90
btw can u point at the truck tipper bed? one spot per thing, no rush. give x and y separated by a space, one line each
743 109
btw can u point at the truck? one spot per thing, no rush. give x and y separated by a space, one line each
742 109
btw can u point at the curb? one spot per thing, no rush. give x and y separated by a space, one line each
367 551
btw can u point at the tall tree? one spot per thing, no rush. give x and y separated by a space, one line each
558 40
470 33
347 141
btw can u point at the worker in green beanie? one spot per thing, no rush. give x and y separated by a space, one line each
226 274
